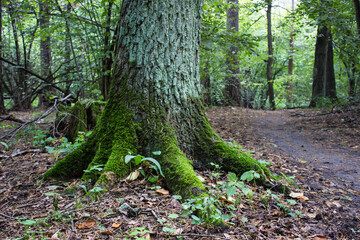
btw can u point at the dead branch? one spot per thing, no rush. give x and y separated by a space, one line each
11 118
47 113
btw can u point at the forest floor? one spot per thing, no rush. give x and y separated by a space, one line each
318 149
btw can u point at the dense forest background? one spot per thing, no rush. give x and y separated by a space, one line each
255 54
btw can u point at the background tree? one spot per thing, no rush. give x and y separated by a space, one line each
233 92
155 102
269 75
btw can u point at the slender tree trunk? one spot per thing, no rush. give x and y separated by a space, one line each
357 14
68 65
19 79
107 60
155 103
2 106
330 84
45 53
291 59
270 60
233 92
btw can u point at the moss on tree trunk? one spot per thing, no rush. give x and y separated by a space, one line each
155 103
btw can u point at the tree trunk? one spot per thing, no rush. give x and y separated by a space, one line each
323 74
2 106
270 58
232 88
45 53
155 102
357 14
330 84
290 85
107 60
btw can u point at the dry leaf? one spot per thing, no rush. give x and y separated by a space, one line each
229 200
333 204
85 225
299 196
116 225
107 232
162 191
134 175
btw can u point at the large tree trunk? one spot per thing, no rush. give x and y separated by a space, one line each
233 92
270 91
155 102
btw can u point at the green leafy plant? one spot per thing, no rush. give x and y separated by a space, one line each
145 165
94 192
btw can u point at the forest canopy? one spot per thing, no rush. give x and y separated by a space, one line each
54 48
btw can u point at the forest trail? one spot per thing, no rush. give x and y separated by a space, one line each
341 164
320 149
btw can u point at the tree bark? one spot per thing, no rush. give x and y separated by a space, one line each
107 60
270 58
155 102
233 87
323 74
45 53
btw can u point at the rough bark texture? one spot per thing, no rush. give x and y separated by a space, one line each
233 91
155 102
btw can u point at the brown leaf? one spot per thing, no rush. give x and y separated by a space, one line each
85 225
116 225
162 191
299 196
107 232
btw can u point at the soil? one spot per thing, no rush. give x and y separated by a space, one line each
320 149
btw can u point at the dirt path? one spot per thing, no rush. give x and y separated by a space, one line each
340 165
321 149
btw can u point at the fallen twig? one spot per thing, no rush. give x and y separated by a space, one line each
21 153
47 113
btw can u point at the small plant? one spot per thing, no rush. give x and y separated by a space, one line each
94 192
145 165
93 172
139 231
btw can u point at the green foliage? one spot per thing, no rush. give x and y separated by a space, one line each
145 165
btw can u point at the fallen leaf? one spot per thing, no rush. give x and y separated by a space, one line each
134 175
116 225
85 225
162 191
229 200
107 232
299 196
333 204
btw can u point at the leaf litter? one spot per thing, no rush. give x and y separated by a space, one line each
327 209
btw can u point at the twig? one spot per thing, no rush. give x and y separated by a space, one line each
47 113
4 215
20 153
